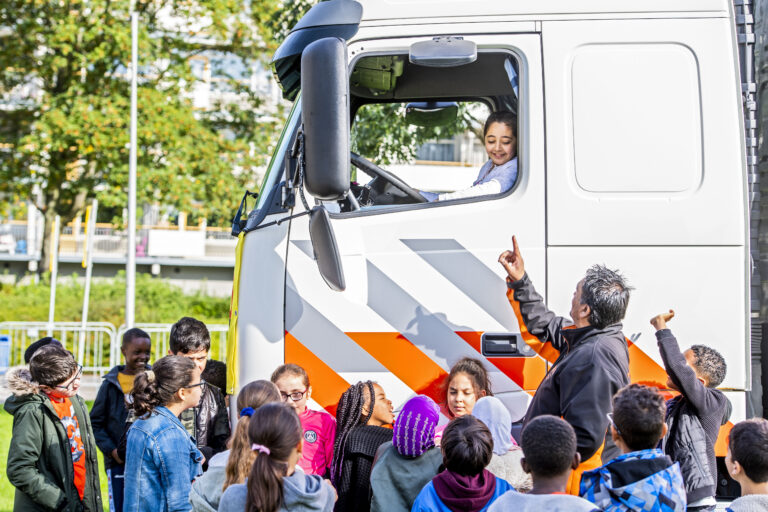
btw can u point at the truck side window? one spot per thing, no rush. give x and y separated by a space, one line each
434 146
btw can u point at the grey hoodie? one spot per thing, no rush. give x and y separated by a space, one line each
301 493
750 503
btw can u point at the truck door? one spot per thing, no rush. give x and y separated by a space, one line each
647 174
424 287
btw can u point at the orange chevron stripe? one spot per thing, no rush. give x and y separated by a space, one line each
643 369
327 385
545 350
526 372
405 360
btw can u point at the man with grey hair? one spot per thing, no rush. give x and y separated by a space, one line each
592 358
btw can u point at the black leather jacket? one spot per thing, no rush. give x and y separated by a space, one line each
208 423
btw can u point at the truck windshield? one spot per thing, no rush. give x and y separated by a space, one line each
275 167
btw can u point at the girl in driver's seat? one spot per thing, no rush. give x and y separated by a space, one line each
499 173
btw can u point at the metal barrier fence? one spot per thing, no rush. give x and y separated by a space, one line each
97 345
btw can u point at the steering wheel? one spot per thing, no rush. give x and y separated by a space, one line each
370 168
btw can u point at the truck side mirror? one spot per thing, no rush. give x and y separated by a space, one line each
325 116
325 249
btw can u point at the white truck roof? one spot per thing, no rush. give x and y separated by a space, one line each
384 10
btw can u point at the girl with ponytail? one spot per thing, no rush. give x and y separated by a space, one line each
232 466
161 458
274 483
363 423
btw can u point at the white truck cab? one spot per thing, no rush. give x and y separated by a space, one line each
631 153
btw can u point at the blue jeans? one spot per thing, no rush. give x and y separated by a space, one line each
116 486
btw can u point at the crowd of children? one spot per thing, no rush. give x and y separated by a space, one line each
165 435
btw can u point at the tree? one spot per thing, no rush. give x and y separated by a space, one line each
64 129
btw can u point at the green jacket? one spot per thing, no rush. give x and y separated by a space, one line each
40 458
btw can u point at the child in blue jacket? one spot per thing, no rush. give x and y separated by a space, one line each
643 478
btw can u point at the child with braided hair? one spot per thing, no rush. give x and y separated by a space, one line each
275 483
361 416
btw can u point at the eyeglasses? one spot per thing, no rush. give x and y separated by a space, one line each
68 385
201 383
298 395
613 424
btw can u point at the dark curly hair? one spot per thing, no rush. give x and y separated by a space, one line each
157 387
189 335
710 364
638 412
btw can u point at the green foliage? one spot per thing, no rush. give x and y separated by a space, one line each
63 69
381 134
156 302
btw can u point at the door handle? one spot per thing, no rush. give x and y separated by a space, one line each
505 344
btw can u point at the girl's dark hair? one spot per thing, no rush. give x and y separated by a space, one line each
275 426
290 369
157 387
52 365
476 372
254 395
349 414
504 117
467 445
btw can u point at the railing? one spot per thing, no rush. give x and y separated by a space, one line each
97 345
109 240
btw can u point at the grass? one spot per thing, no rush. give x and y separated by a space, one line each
6 489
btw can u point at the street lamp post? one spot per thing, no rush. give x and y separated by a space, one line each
130 264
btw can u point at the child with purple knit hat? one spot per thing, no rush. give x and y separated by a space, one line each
407 463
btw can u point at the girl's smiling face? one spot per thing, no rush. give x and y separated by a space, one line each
500 143
461 395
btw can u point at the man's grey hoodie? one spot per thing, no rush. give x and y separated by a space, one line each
301 493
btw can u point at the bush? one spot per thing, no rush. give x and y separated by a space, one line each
157 301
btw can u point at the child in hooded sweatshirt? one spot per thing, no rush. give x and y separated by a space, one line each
549 446
274 483
642 478
505 462
747 462
465 485
407 463
233 465
364 414
319 427
52 456
695 416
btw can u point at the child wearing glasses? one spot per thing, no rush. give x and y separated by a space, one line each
161 459
642 478
318 427
52 456
208 421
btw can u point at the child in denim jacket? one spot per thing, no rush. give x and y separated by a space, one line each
161 458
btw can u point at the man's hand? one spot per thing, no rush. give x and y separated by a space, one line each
512 261
117 457
659 322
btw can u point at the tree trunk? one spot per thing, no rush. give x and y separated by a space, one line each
49 214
